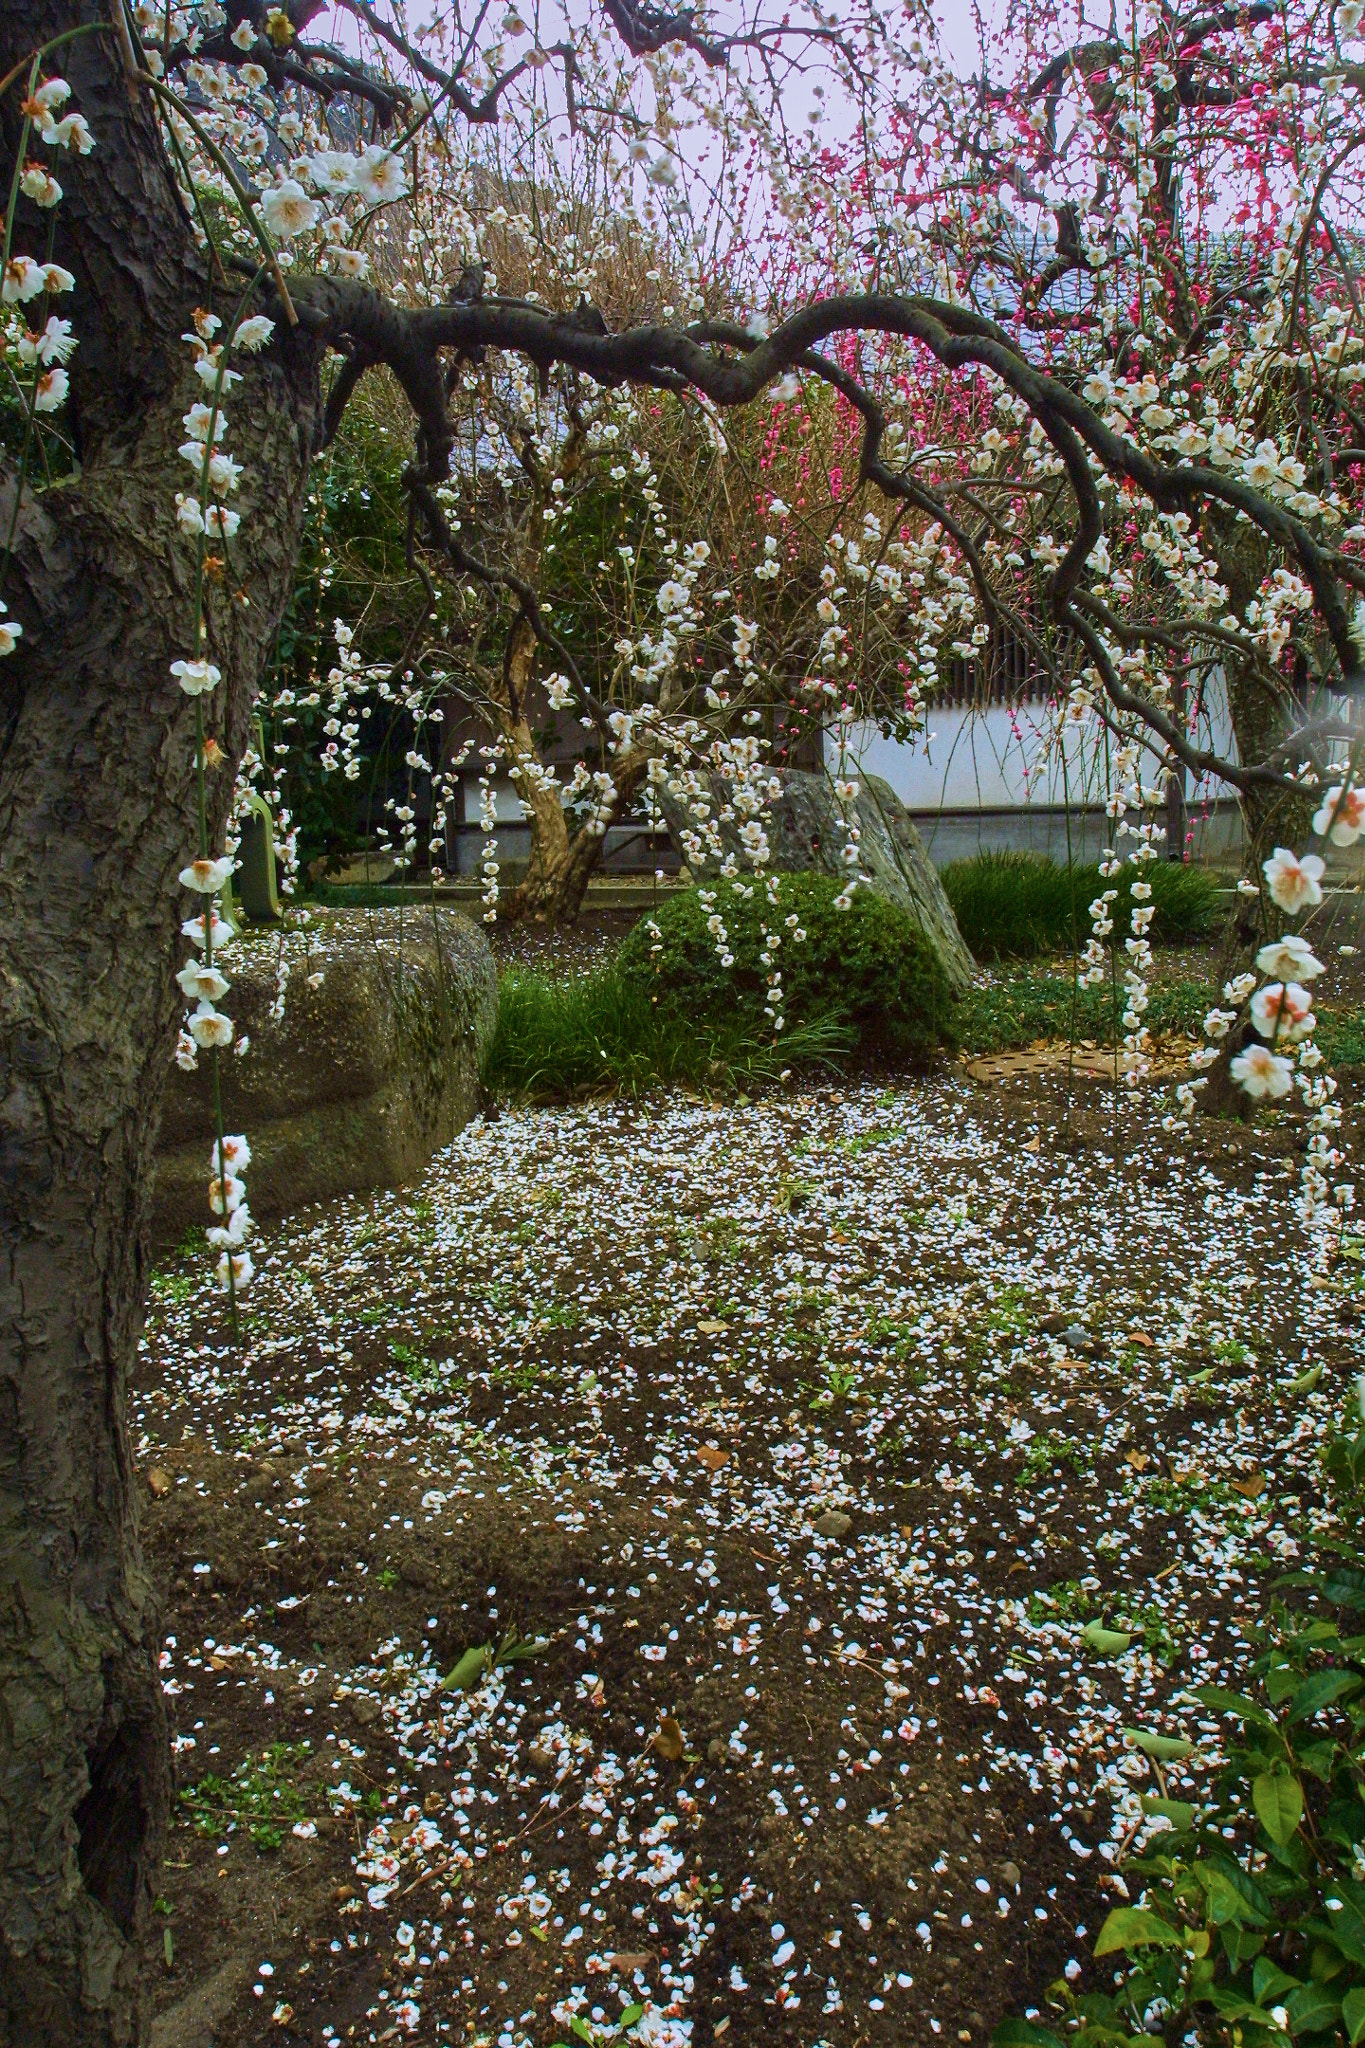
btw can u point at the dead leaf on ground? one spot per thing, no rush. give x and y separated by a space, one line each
628 1961
713 1457
712 1328
668 1740
1139 1460
159 1481
1250 1488
1141 1337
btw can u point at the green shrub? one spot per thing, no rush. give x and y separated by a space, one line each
1021 903
600 1033
1247 1921
867 969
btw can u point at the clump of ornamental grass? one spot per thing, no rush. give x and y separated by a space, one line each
600 1033
1015 904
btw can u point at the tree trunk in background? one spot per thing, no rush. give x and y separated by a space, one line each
1260 720
97 816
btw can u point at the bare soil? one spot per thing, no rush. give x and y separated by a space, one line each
804 1437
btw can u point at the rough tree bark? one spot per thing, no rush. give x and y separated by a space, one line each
97 815
561 863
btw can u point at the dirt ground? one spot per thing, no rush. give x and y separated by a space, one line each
803 1440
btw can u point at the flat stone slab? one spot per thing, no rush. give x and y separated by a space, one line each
1082 1062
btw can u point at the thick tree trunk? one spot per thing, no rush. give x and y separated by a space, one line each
97 815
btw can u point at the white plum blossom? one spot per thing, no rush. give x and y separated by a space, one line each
332 170
1295 882
196 678
253 333
39 185
1263 1073
1283 1011
220 932
1342 816
353 263
49 393
287 210
236 1152
1289 959
242 1271
23 280
203 421
73 132
10 632
200 983
207 877
379 176
209 1027
56 343
210 370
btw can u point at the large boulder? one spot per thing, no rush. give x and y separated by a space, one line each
807 831
369 1064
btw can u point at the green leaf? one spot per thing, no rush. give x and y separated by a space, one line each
1320 1691
1281 1681
1306 1381
1312 2007
1344 1587
1226 1902
514 1648
1218 1697
1344 1926
1260 1908
1105 1642
1167 1749
1270 1982
583 2031
1353 2013
1130 1927
1023 2034
1232 2006
1279 1805
631 2016
1178 1812
473 1666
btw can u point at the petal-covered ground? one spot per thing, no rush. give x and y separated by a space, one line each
850 1471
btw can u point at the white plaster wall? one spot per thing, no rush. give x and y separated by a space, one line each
996 759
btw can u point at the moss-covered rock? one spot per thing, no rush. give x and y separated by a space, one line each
371 1063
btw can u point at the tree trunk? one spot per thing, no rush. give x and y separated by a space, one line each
97 815
1260 718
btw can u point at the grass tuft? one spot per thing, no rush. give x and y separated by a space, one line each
599 1033
1011 904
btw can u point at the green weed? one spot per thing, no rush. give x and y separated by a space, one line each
260 1797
